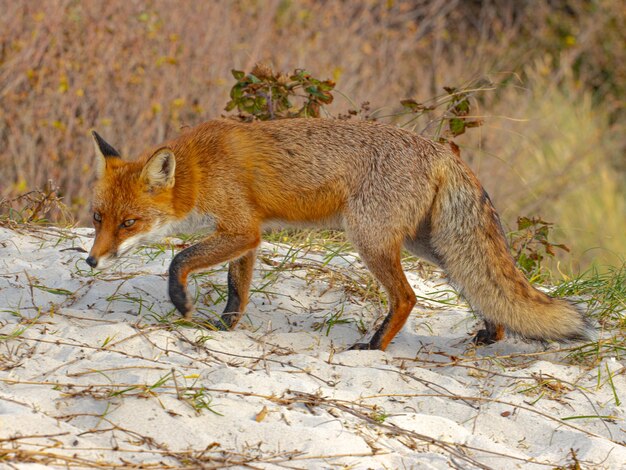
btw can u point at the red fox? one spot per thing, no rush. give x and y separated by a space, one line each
386 187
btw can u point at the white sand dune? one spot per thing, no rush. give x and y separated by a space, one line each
94 372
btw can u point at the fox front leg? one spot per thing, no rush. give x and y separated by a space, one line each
239 279
218 248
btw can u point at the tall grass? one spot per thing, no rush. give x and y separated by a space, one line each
140 71
551 156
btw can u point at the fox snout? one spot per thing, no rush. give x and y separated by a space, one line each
100 262
106 249
102 253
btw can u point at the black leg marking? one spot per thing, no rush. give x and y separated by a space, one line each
178 290
231 314
234 300
239 278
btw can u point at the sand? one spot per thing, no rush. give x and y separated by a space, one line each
95 370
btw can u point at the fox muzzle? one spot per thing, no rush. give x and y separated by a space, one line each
100 262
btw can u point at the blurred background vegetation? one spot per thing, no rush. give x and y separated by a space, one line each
551 143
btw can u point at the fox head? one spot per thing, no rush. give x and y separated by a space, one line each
132 201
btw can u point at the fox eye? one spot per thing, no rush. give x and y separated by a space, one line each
128 223
97 217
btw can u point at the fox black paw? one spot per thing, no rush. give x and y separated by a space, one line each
490 334
224 323
360 347
178 296
484 337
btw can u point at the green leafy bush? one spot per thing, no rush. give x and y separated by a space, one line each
265 95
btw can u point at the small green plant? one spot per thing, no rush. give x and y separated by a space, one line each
153 251
530 244
604 292
53 290
149 308
330 320
161 381
264 94
618 402
456 117
199 399
168 317
202 338
16 333
123 391
380 416
107 341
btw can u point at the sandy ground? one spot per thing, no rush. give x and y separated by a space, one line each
95 371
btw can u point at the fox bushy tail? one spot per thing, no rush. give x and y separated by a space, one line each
467 237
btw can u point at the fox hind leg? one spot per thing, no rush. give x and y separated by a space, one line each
490 334
384 263
420 246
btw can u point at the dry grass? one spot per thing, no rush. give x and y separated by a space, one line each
554 160
139 71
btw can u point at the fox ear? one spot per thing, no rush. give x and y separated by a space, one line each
158 172
103 151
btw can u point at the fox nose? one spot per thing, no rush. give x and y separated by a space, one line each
91 261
